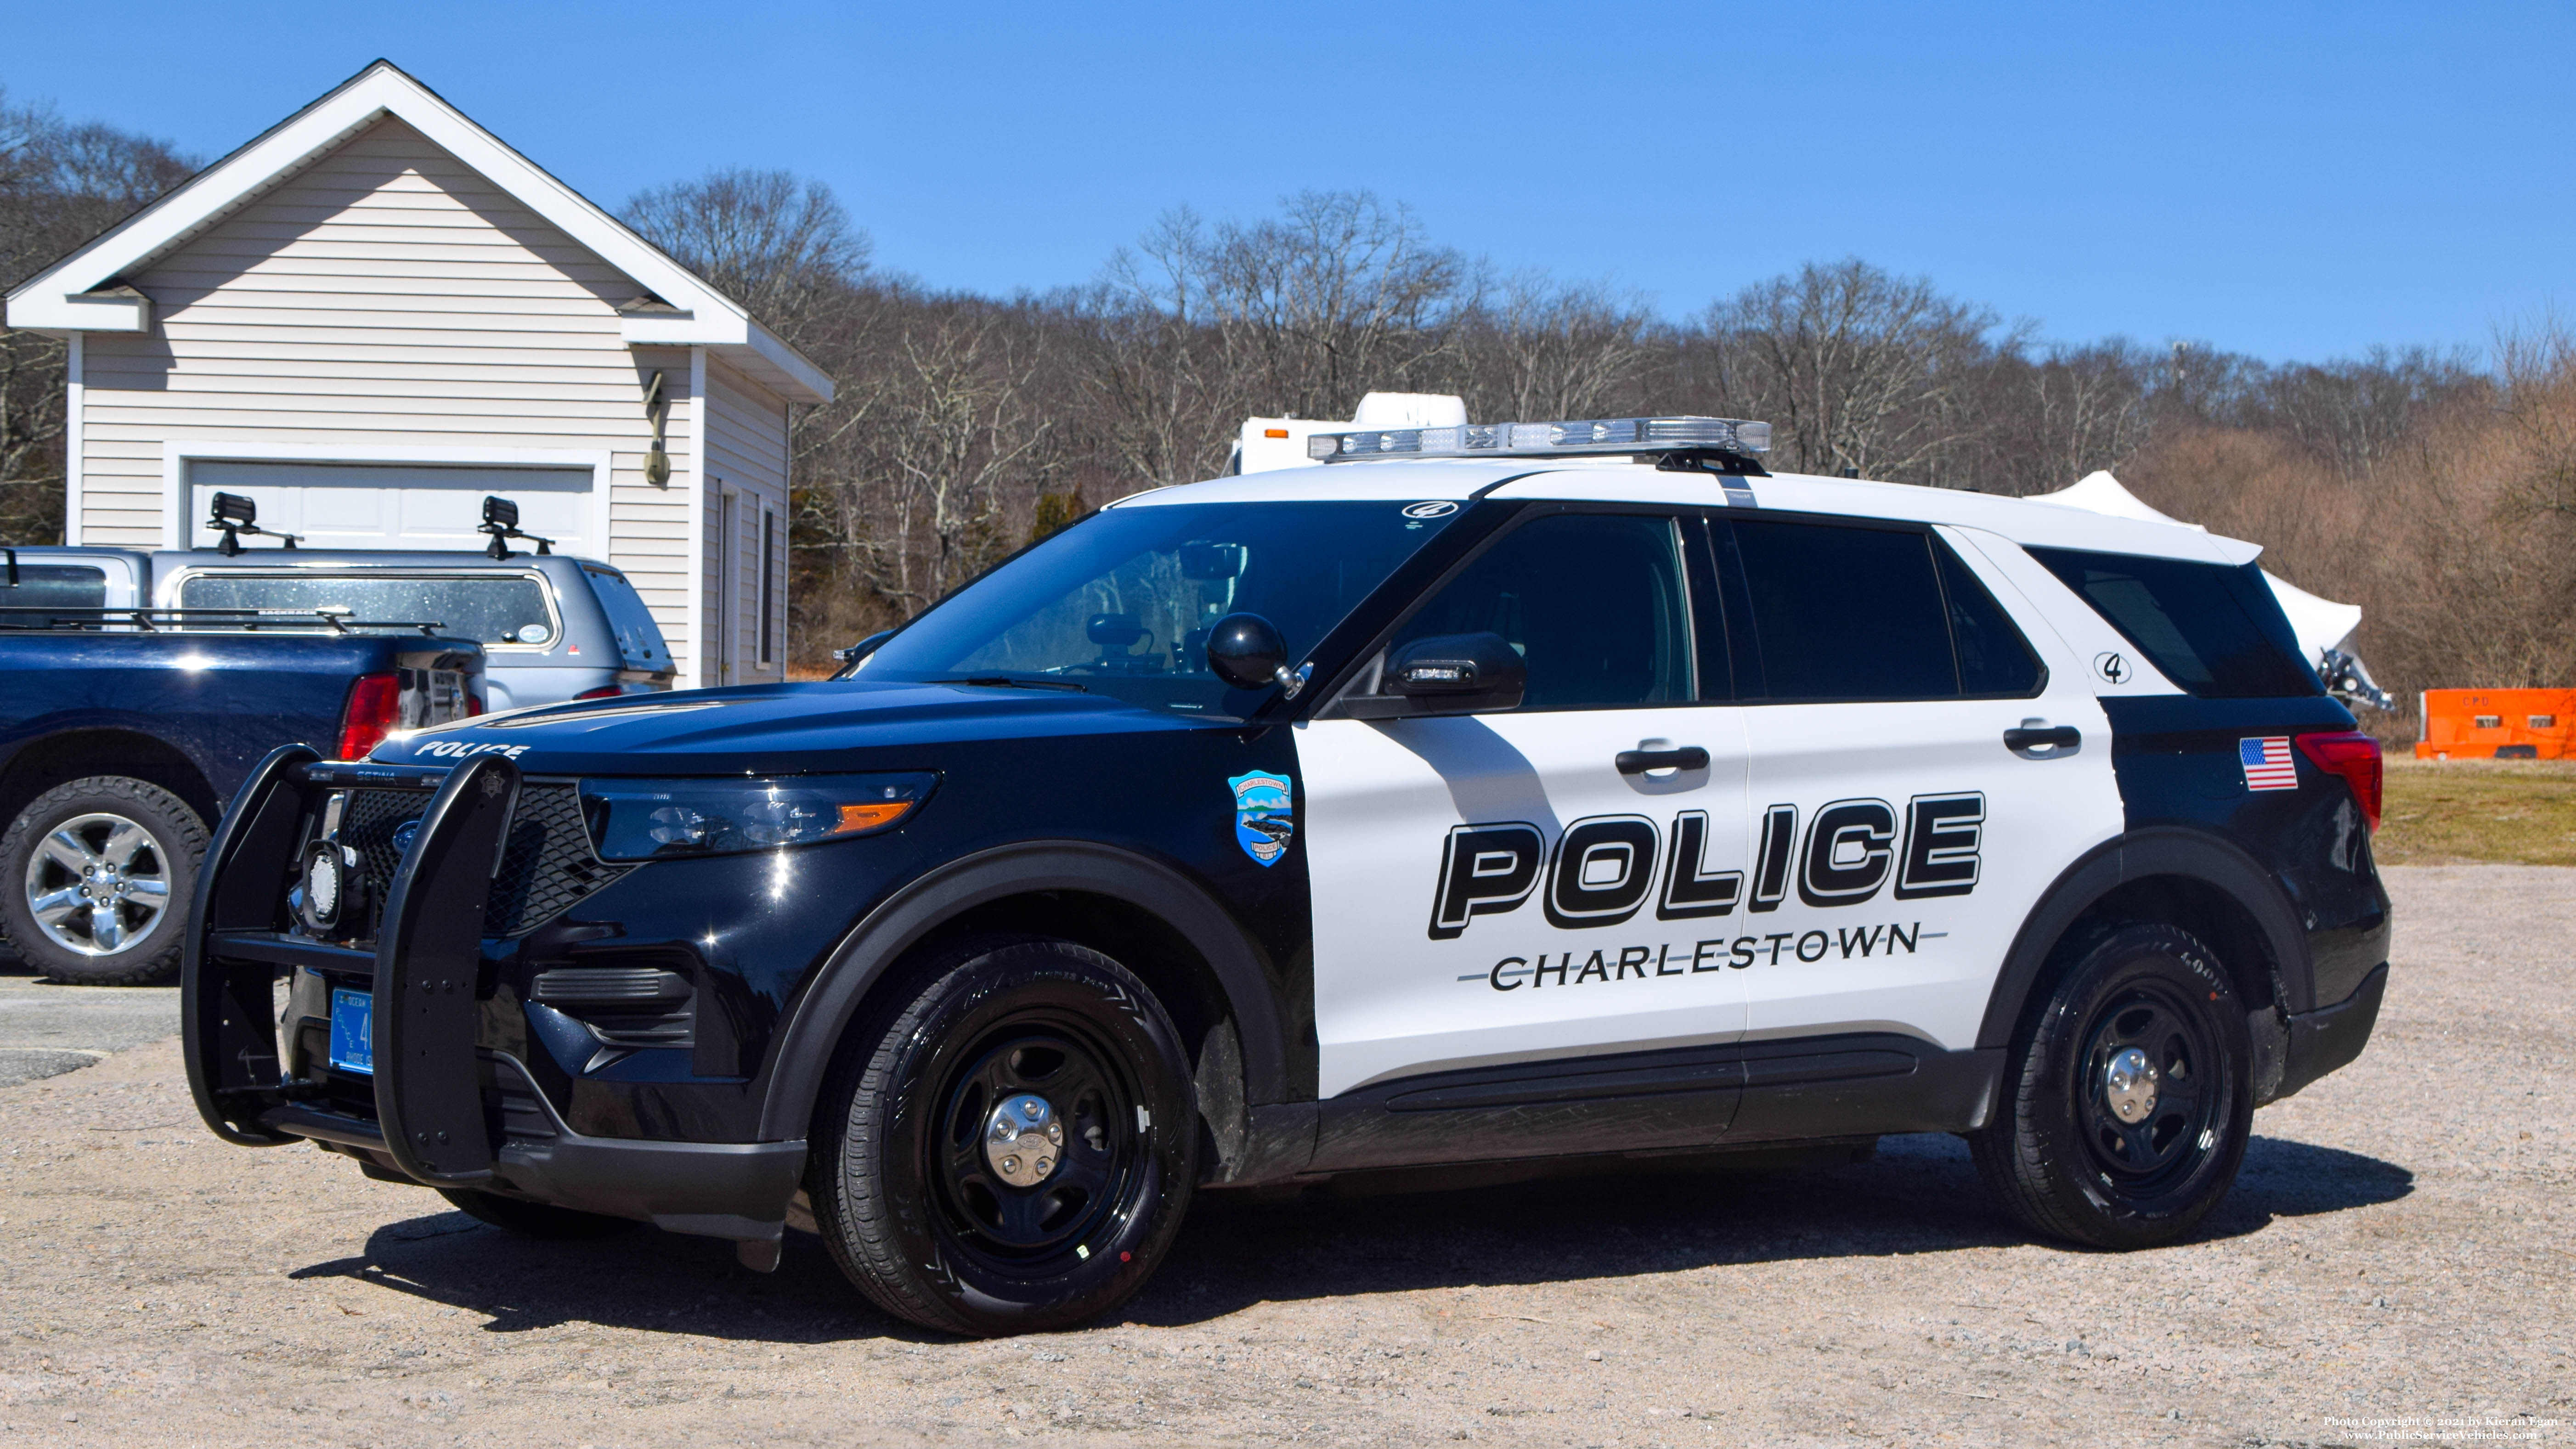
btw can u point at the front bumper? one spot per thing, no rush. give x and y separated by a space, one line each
446 1108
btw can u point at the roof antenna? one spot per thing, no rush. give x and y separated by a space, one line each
501 520
236 515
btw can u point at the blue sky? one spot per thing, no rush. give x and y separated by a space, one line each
2295 181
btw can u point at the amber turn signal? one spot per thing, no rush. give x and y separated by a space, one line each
875 815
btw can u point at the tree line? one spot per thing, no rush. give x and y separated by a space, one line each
2436 489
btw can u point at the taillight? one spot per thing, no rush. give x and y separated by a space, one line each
605 691
473 704
2354 756
375 705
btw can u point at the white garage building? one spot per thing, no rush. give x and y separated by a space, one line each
376 313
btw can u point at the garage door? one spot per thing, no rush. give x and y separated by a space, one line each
368 505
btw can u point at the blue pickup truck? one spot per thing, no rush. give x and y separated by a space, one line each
123 732
553 627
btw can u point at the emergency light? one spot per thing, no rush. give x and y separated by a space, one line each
1591 435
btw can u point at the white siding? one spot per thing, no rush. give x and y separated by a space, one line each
746 452
389 297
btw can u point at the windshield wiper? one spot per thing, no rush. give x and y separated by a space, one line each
1004 681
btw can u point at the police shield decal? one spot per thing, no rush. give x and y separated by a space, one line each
1263 818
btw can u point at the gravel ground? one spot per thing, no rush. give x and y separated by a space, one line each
47 1029
2396 1249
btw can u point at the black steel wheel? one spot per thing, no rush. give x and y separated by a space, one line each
2128 1097
1008 1144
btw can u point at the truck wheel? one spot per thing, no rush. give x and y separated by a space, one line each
2129 1097
95 878
1008 1144
532 1219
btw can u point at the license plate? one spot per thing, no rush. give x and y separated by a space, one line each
353 1036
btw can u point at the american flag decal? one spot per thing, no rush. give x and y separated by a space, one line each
2267 763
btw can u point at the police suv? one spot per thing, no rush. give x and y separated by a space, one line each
1559 790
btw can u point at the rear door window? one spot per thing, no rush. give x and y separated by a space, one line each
1840 612
1844 613
496 609
639 639
2215 630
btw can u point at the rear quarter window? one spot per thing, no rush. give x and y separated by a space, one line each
2215 630
497 608
54 586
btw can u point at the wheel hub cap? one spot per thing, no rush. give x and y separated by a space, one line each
1022 1140
2129 1085
97 884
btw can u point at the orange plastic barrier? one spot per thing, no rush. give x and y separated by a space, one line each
2496 724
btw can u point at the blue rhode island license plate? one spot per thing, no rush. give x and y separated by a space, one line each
353 1037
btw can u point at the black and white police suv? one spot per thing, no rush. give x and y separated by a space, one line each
1569 790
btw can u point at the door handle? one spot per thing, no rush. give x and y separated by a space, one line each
1638 762
2038 740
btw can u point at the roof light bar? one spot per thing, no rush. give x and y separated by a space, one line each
1591 435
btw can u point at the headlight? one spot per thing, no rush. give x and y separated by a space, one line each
650 819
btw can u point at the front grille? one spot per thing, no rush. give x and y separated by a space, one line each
546 862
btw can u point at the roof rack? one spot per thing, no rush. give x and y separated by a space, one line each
1735 438
200 621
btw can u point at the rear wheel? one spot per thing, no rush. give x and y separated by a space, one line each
2129 1099
1008 1145
532 1219
95 878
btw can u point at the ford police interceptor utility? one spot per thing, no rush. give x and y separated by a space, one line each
1492 792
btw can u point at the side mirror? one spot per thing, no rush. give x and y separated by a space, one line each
861 650
1454 673
1245 650
1115 631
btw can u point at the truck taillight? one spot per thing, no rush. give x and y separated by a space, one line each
473 704
375 707
2354 756
605 691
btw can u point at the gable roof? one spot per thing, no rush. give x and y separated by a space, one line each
81 293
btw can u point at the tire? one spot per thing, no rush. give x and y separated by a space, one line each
940 1225
533 1219
2124 1160
109 839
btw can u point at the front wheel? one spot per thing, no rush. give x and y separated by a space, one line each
1008 1144
2128 1099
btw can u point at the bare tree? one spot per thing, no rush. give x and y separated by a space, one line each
923 499
1196 328
60 185
1532 349
1853 367
785 249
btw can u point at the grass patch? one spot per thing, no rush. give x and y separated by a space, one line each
2510 812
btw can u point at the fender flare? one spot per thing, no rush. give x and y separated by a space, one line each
827 1007
2136 855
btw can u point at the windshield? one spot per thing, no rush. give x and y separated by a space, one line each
1121 603
494 609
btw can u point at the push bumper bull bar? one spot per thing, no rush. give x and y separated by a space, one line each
431 1120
